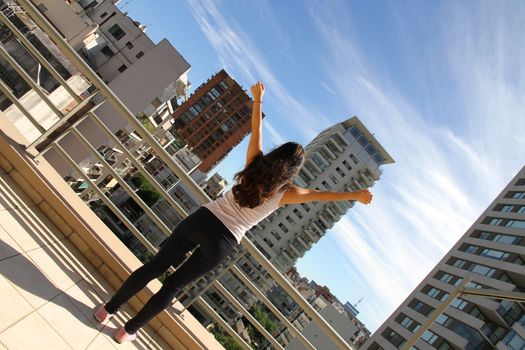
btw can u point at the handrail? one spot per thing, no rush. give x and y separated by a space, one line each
122 109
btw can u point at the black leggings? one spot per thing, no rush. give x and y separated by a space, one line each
201 227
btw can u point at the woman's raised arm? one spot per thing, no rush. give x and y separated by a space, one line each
255 145
297 195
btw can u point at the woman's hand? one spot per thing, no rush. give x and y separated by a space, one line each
257 91
363 196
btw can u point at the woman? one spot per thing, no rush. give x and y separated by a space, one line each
265 184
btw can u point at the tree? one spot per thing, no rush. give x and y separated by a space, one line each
146 191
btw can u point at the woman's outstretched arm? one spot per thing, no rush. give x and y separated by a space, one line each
255 145
297 195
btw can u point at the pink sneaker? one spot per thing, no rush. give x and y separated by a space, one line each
101 315
121 336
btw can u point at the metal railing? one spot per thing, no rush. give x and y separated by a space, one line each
51 138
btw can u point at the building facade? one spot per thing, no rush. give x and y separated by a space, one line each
214 119
492 251
344 157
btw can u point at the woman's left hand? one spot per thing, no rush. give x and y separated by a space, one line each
363 196
257 91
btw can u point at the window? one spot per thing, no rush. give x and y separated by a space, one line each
290 220
129 45
393 337
140 54
448 278
223 84
408 323
305 207
107 51
514 341
498 237
515 224
275 235
459 303
334 179
495 221
340 172
298 213
421 307
326 185
354 159
435 293
116 31
347 165
518 195
430 337
283 227
104 14
122 68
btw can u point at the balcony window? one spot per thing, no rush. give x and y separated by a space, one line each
408 323
430 337
515 224
421 307
513 341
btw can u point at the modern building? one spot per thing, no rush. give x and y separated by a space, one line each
149 78
344 157
492 252
214 119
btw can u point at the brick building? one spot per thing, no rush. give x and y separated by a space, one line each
214 119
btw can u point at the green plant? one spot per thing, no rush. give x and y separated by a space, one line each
146 191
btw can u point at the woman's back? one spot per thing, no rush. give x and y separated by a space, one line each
240 219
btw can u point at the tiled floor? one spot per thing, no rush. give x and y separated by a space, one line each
47 288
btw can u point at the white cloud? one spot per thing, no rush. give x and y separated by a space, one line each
443 178
327 88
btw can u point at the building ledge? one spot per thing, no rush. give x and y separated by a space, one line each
58 260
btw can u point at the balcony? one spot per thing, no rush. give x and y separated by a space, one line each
59 259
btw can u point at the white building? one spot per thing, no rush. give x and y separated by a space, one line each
147 77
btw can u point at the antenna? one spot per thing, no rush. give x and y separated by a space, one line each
358 302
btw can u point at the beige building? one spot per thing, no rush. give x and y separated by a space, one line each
492 251
147 77
215 186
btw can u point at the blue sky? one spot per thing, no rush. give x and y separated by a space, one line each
440 84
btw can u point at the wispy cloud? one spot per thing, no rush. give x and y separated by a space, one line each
444 175
327 88
238 54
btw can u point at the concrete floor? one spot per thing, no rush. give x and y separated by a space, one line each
48 290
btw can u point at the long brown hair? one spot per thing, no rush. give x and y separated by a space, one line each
267 174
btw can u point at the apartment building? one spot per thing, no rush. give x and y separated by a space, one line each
214 119
492 252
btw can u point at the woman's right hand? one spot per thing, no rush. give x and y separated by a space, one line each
257 91
363 196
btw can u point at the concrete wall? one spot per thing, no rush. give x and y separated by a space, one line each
69 23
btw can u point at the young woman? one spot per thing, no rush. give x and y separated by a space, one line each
265 184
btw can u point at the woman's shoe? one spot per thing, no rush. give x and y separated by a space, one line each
101 315
121 336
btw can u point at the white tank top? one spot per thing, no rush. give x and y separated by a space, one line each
240 219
